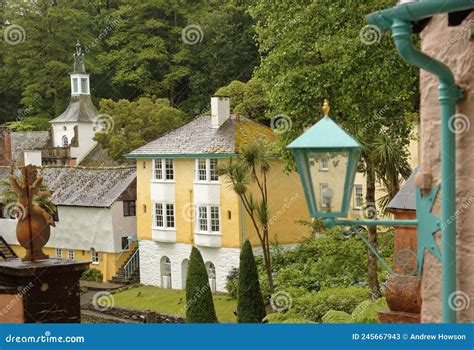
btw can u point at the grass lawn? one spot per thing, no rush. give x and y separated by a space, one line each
171 302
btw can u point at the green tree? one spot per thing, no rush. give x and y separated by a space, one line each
250 305
199 303
247 99
314 50
133 124
251 171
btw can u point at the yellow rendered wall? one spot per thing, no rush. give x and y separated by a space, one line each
231 228
287 205
108 264
143 199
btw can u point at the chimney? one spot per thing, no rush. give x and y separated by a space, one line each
220 110
33 157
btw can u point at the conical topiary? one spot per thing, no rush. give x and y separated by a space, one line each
199 303
250 305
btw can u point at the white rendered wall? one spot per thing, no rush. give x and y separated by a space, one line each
86 141
123 226
224 259
59 132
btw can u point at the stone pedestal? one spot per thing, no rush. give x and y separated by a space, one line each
44 291
403 288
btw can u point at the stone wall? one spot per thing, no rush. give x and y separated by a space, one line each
452 46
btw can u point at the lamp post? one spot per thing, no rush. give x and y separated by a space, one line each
326 158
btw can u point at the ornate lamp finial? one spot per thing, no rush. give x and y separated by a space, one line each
326 108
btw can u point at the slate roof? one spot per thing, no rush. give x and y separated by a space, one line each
27 141
99 157
198 137
84 187
80 109
406 197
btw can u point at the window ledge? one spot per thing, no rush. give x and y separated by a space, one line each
207 233
163 181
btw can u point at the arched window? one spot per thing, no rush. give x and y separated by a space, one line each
65 141
184 272
165 268
211 273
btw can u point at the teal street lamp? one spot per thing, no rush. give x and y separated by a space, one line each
327 157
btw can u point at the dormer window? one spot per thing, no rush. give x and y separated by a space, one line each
65 141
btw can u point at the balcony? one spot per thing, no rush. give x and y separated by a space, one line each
205 239
163 236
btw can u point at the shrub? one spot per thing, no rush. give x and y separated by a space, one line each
329 260
92 275
288 317
333 316
312 306
250 306
199 303
232 282
367 311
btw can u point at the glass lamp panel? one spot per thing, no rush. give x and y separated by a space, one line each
328 173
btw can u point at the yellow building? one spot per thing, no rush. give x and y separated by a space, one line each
182 201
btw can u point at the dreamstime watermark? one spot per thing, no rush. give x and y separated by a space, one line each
405 262
459 301
281 123
103 301
103 123
286 205
458 35
187 212
196 296
192 34
370 34
14 34
22 291
14 211
466 204
459 123
111 25
369 211
281 301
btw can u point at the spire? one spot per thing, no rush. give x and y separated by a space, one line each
79 66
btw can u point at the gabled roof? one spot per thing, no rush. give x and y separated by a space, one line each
26 141
84 187
198 138
405 198
80 109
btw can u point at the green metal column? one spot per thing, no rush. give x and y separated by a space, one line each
447 102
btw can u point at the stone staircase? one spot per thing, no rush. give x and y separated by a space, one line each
129 272
6 252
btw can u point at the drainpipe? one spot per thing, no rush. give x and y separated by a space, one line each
399 20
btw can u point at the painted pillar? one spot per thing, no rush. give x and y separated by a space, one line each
454 47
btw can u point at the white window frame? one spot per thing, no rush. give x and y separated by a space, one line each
357 186
159 170
75 85
165 216
59 253
94 256
198 171
324 164
209 220
70 254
